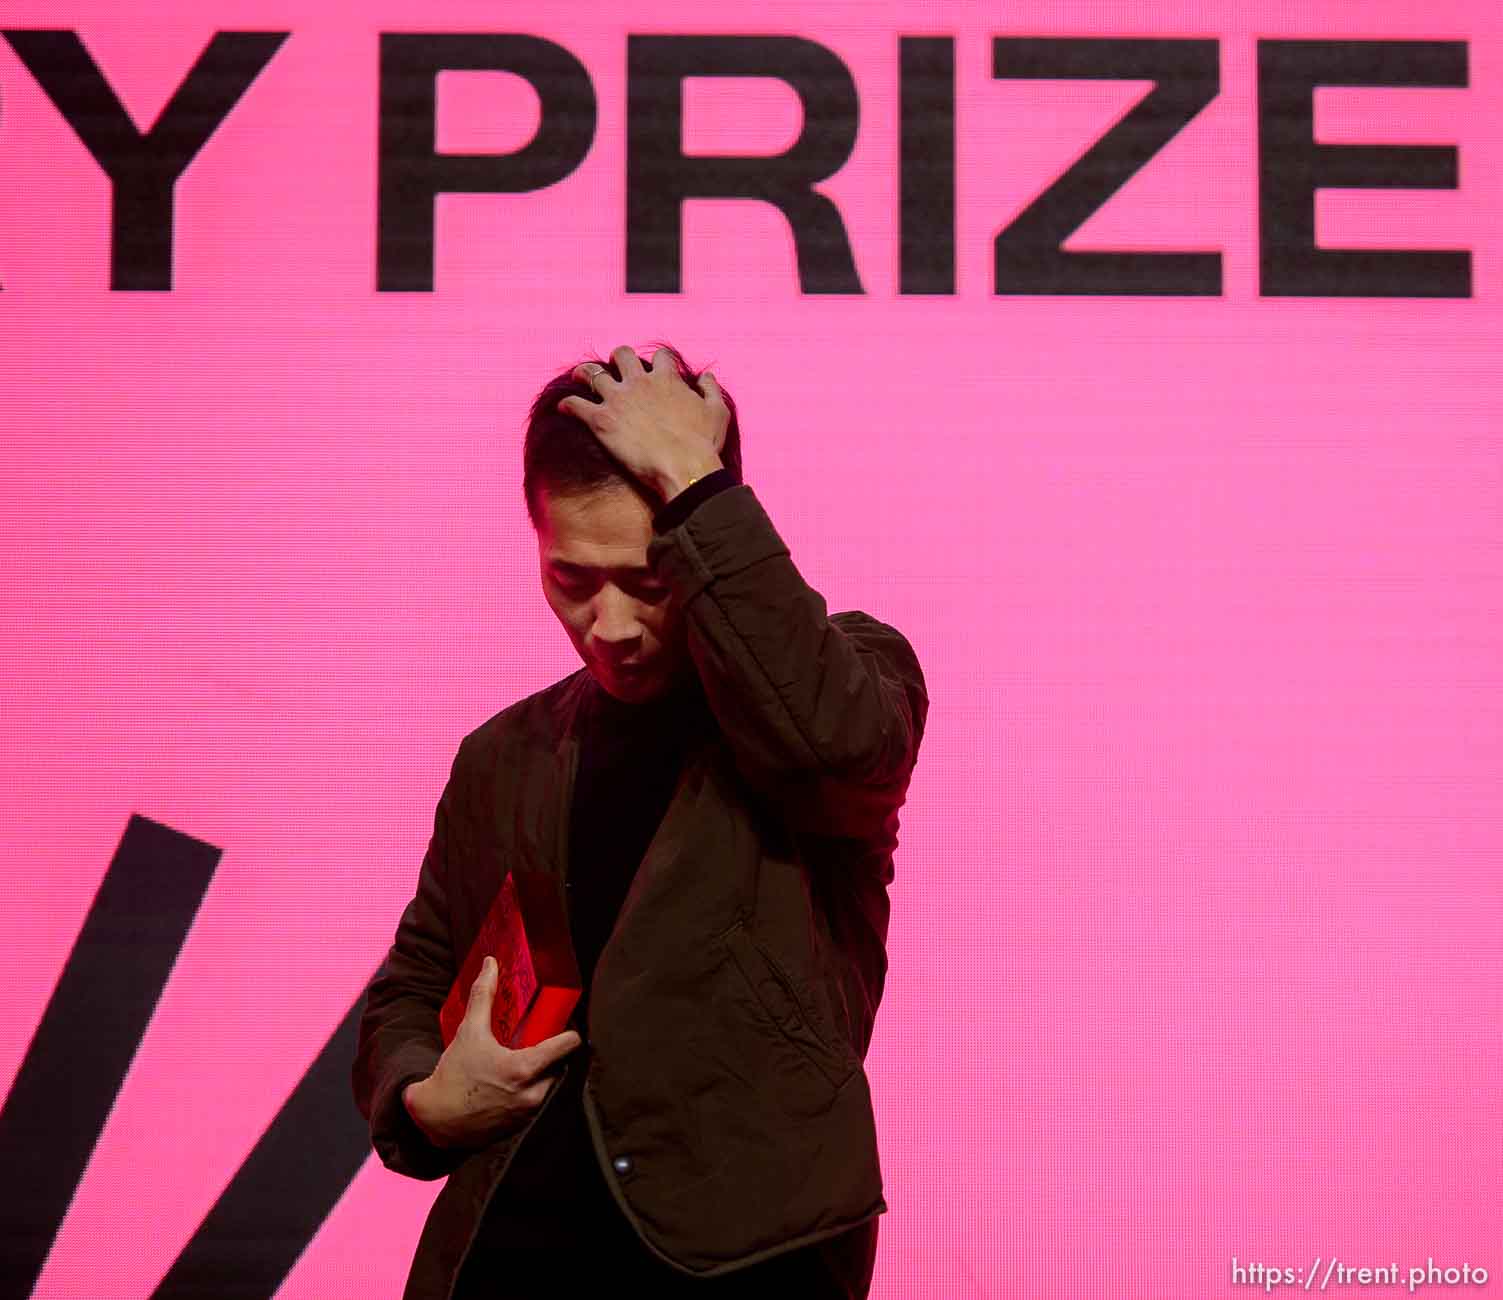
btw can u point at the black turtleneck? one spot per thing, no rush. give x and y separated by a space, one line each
630 756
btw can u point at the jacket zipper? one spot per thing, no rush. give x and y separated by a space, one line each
561 845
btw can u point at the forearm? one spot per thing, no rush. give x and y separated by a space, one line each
798 693
398 1038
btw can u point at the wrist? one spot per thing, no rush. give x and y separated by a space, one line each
669 485
415 1097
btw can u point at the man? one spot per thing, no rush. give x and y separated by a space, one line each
717 792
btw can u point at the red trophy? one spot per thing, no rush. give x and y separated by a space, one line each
538 984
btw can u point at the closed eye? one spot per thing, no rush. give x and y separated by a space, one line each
578 582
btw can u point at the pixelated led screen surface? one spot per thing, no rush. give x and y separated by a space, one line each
1194 953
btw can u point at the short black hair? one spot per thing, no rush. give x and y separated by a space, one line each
561 453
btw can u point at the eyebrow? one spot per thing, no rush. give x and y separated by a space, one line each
569 566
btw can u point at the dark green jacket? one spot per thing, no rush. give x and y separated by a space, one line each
733 1004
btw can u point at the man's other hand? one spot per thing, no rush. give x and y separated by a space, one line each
480 1090
651 421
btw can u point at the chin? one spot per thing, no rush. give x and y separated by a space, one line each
631 686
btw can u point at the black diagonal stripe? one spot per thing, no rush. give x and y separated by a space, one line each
89 1033
308 1156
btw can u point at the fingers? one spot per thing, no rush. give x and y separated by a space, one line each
629 365
482 994
534 1093
537 1058
627 360
579 407
710 387
592 374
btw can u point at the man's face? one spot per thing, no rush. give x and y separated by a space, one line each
592 556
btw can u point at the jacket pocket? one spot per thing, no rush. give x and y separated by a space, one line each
778 996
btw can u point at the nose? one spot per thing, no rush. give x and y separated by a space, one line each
616 628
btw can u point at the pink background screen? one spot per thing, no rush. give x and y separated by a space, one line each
1195 938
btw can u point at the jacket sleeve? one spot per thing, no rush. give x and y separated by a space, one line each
398 1039
823 713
